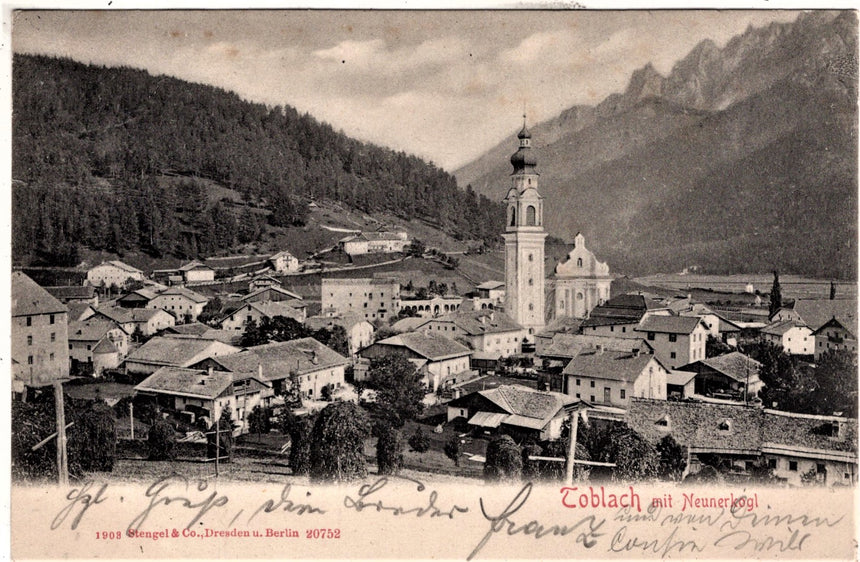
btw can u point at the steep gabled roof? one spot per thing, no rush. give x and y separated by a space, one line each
175 351
491 285
194 265
192 328
479 322
780 328
430 346
183 292
346 321
91 329
279 290
669 324
186 382
115 313
105 346
280 359
29 299
735 365
697 425
526 407
72 291
835 323
609 365
120 265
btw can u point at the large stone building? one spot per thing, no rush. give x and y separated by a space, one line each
375 299
581 282
524 241
40 338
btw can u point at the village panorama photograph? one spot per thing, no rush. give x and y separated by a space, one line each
481 246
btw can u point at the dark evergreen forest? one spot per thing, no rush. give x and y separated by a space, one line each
92 147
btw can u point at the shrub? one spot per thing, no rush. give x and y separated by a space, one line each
419 441
389 449
161 440
504 460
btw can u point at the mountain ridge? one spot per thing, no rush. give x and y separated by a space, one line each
616 169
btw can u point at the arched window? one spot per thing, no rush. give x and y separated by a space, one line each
578 262
579 296
513 216
530 215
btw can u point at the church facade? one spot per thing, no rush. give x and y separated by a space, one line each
581 282
524 241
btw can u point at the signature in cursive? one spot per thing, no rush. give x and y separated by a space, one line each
82 499
588 526
430 508
159 493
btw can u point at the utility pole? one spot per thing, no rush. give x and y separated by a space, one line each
571 451
131 418
62 460
217 443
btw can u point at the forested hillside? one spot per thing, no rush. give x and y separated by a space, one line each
93 149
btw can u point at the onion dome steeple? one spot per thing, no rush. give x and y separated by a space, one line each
523 160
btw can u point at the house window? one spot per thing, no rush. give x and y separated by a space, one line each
52 357
623 394
673 355
650 336
673 337
29 360
725 425
577 382
51 319
577 395
772 463
53 337
592 384
29 340
792 466
29 320
592 398
623 329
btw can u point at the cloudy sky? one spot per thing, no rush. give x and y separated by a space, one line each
444 85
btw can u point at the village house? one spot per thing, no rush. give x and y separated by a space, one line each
39 331
717 325
375 242
793 336
375 299
304 361
150 321
493 291
731 376
139 298
621 315
113 272
677 340
284 262
564 325
834 336
614 377
486 331
97 344
75 294
163 351
517 410
201 393
274 293
119 316
79 312
257 311
441 361
196 272
822 449
359 332
184 304
260 281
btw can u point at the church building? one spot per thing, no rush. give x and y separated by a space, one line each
581 282
524 241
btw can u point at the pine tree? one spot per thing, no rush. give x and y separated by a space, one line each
775 295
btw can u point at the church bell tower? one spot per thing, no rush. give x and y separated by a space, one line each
524 240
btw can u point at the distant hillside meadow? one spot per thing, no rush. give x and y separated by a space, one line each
114 159
742 160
